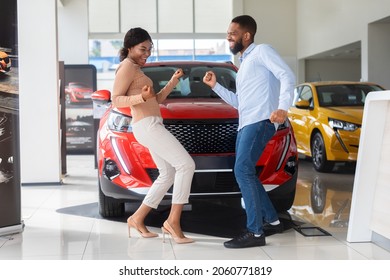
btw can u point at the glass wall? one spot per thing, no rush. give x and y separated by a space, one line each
104 53
200 24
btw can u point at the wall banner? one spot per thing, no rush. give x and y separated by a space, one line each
79 84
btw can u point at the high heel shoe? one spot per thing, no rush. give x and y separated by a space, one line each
166 228
132 224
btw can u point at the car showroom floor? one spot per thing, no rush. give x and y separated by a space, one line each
62 222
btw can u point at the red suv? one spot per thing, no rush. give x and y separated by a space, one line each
205 125
76 92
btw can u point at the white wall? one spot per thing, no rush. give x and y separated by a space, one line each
378 69
73 31
330 70
325 25
276 25
38 92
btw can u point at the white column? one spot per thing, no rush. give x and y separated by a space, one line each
39 92
73 31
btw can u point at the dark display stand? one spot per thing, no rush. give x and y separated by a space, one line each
79 83
10 202
10 182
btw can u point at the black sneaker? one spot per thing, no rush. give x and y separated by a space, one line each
272 229
245 240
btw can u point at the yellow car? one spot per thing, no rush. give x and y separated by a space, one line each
326 118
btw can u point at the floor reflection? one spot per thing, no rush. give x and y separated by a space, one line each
323 199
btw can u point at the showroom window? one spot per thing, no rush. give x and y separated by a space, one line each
202 31
104 53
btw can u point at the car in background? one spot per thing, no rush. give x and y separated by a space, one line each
5 62
205 125
78 93
327 118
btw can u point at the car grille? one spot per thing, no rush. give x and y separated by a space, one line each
205 136
207 182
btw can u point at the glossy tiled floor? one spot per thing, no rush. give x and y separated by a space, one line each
61 222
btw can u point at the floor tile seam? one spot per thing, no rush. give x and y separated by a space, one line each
89 237
39 207
6 238
173 248
265 252
316 244
23 256
357 251
304 242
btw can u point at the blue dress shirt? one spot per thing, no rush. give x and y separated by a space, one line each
264 83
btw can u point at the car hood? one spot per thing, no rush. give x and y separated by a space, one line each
197 109
349 114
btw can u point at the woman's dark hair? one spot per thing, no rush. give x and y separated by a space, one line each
247 23
132 38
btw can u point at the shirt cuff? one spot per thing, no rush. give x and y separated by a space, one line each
139 99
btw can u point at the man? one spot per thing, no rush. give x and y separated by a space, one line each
265 86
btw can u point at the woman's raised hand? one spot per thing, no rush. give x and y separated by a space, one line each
178 74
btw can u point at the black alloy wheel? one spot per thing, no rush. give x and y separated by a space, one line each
318 154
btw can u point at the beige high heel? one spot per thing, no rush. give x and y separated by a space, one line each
166 228
132 224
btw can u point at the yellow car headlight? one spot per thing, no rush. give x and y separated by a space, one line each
343 125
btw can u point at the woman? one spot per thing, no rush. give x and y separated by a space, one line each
133 88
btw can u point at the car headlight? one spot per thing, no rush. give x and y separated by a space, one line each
343 125
119 122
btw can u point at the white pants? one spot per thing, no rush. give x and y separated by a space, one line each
174 163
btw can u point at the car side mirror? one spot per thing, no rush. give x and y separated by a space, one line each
101 97
302 104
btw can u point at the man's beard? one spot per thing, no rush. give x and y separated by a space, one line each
238 46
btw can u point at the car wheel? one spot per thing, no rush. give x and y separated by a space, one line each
109 207
318 154
67 99
283 204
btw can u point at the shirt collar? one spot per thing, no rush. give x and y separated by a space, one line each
247 51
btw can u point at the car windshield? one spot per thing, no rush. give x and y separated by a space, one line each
191 84
344 95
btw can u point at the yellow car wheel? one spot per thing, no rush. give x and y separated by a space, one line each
318 154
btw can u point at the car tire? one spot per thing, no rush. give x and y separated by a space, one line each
110 207
283 204
67 100
318 154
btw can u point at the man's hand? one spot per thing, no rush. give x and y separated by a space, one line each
210 79
147 92
278 116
